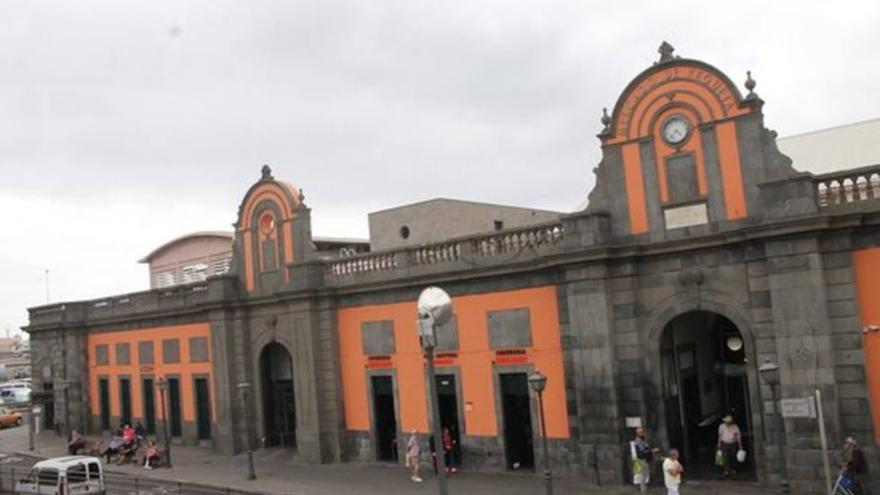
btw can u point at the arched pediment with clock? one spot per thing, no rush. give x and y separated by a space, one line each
683 148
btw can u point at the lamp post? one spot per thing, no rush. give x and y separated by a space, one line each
769 372
162 384
435 309
244 388
539 382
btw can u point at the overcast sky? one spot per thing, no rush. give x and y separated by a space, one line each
126 124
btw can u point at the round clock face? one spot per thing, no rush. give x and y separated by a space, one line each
676 130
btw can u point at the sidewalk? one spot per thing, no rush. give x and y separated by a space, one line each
278 472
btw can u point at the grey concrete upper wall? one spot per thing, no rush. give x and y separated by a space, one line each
439 219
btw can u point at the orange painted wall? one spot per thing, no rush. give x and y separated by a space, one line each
731 171
866 264
475 360
184 369
635 188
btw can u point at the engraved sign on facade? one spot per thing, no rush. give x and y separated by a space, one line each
685 216
798 408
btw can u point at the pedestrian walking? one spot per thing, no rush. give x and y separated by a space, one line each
855 464
672 471
729 443
642 457
449 450
413 452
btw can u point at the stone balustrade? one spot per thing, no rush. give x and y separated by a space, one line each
512 241
123 305
848 186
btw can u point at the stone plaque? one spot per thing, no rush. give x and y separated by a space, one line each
798 408
685 216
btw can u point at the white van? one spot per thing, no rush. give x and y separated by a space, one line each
70 475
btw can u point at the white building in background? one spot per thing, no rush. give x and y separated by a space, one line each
842 147
189 258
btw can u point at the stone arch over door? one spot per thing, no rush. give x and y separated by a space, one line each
275 393
730 309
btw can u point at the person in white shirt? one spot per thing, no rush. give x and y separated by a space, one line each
413 452
672 472
729 442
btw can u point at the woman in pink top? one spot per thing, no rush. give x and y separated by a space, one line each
729 442
128 435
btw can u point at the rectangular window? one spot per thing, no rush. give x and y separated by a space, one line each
170 351
165 278
94 471
77 473
198 350
104 400
509 328
447 335
125 400
102 355
48 477
220 264
174 407
123 354
145 352
377 337
194 273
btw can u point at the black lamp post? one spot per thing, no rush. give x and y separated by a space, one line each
162 384
244 388
539 382
769 372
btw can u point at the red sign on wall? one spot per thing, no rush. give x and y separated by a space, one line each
511 357
379 362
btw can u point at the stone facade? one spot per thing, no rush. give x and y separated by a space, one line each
778 264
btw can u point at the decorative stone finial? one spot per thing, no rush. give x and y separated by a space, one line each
750 85
302 197
266 173
606 120
665 51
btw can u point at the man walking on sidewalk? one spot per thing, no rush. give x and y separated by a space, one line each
642 457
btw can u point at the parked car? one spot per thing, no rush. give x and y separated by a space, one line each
8 417
75 474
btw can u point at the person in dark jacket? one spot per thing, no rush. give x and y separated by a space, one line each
855 463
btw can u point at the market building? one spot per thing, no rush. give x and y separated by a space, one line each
703 254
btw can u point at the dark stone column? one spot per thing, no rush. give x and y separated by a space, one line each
316 381
228 371
591 345
804 353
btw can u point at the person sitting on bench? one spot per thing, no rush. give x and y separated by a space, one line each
151 456
113 448
75 442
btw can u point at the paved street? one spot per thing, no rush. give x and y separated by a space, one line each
280 472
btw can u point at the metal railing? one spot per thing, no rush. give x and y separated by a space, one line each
125 484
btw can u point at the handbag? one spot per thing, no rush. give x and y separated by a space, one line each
719 458
740 456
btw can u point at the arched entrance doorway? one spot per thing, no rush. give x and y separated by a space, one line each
279 410
704 363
